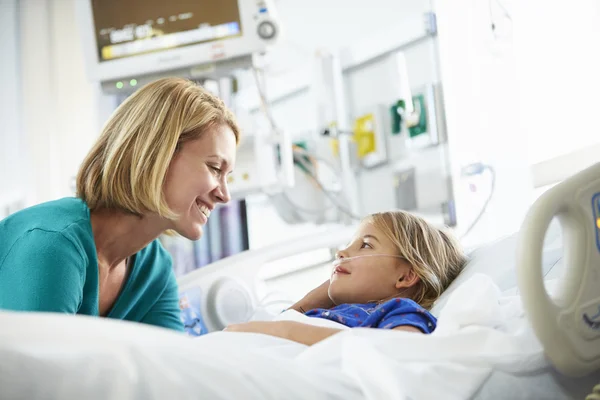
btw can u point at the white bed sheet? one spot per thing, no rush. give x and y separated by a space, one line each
481 334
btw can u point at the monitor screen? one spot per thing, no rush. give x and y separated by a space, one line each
126 28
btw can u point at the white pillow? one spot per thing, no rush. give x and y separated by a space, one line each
498 261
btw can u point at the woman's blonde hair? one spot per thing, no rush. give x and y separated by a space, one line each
435 255
127 166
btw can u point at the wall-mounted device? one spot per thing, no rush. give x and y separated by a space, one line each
130 42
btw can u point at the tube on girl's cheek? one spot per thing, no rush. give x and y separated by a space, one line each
339 261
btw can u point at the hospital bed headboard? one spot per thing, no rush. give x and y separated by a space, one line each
567 324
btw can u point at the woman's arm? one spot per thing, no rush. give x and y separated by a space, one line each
43 271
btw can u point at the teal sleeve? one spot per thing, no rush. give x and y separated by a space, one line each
42 272
165 312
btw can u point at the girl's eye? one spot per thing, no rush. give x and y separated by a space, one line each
366 245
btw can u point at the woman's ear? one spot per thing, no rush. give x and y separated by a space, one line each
408 279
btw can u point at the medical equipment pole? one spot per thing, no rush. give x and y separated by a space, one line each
343 132
280 137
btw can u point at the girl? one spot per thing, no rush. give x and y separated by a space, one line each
390 274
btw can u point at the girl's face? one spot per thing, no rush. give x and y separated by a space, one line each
369 279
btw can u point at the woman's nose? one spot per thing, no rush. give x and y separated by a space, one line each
222 194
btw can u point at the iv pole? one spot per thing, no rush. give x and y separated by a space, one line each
342 131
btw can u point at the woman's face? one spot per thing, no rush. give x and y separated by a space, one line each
368 279
197 179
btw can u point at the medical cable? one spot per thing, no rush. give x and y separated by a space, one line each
261 88
343 260
334 200
303 152
263 304
505 14
329 194
480 168
286 197
306 166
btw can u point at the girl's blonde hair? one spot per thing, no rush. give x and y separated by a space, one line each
126 168
435 255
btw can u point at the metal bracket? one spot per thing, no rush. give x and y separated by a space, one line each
430 20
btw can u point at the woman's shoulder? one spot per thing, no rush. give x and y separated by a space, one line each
54 216
66 218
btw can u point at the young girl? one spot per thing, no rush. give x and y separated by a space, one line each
390 274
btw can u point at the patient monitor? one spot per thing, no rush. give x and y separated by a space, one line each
128 43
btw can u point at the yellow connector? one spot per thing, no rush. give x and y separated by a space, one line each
364 135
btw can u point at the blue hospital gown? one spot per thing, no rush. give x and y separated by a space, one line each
392 313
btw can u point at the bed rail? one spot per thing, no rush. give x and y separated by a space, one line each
568 325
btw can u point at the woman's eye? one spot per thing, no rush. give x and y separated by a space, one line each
366 245
217 171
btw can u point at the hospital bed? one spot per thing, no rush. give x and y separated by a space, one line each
500 335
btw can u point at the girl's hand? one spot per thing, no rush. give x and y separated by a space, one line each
316 298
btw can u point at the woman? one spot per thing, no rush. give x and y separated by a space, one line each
388 277
160 164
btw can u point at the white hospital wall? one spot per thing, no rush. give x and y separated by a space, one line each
556 46
59 104
525 104
12 185
482 114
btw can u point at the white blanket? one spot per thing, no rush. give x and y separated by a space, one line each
479 331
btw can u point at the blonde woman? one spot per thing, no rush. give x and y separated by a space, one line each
160 164
388 277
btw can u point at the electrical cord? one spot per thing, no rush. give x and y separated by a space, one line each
328 193
260 85
333 199
473 170
261 88
303 152
307 168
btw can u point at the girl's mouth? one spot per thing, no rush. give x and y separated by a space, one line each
341 270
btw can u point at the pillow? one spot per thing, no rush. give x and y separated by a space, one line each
498 261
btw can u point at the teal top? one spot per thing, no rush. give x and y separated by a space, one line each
48 262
